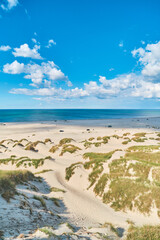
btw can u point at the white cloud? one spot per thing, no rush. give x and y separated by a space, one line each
144 84
143 42
34 40
121 44
45 73
51 42
5 48
25 51
13 68
9 4
149 58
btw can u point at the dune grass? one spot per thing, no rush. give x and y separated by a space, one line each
70 170
69 148
41 200
144 148
9 180
23 161
146 232
54 189
53 149
65 140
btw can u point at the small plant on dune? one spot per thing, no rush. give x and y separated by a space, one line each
70 170
65 140
99 138
126 142
56 201
47 140
54 189
41 200
91 139
53 149
69 148
126 134
142 134
44 171
30 147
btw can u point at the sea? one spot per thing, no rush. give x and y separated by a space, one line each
46 115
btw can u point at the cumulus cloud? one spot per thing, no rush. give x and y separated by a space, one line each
9 4
51 42
13 68
5 48
121 44
38 74
144 84
149 58
25 51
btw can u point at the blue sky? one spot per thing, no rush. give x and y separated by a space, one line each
79 54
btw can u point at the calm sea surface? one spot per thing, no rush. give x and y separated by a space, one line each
72 114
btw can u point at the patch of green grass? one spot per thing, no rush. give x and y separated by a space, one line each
126 142
146 157
146 232
56 201
44 171
54 149
69 148
145 148
54 189
47 231
124 194
23 161
47 140
65 140
9 180
91 139
99 138
126 134
142 134
101 184
41 200
70 170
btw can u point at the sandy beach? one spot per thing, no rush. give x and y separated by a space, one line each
80 205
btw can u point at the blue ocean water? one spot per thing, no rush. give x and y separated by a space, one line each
39 115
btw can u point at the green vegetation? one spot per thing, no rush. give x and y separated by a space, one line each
41 200
47 140
146 148
54 149
101 184
70 170
91 139
143 233
56 201
9 180
24 161
65 140
47 231
44 171
69 148
54 189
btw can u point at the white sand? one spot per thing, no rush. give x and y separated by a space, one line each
84 209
